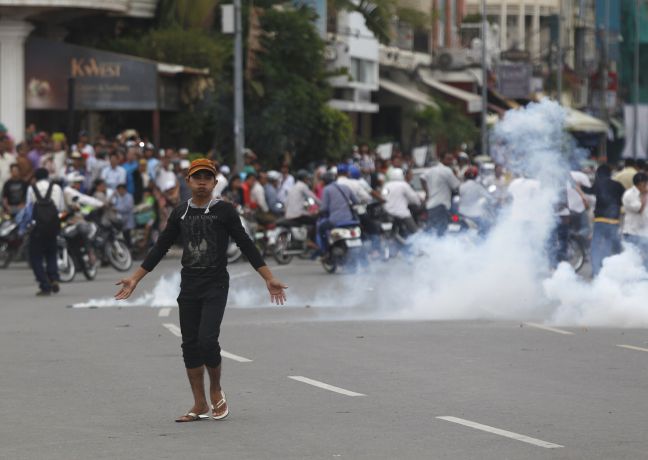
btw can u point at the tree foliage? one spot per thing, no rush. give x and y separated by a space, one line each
445 124
287 104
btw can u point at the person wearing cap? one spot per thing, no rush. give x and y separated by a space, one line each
270 188
74 195
205 226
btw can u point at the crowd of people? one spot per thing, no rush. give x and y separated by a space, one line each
141 184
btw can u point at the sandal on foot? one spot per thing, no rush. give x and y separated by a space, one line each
220 410
191 417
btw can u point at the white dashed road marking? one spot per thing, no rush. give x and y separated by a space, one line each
323 385
164 312
175 330
632 347
500 432
550 329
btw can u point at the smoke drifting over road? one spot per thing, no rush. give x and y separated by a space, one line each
504 276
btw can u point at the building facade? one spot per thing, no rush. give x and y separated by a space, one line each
20 18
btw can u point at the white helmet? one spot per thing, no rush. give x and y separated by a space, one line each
395 175
75 177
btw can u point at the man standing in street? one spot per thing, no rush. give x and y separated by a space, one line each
205 226
635 223
606 239
439 184
46 201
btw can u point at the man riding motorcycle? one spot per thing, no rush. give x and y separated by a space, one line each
337 201
399 195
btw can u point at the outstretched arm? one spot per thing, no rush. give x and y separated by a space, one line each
128 285
275 287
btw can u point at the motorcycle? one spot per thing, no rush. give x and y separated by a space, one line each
78 237
11 243
110 244
291 240
66 267
344 247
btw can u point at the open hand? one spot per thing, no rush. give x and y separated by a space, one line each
128 286
276 290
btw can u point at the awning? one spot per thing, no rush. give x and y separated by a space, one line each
472 101
408 92
582 122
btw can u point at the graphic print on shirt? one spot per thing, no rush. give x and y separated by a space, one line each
201 244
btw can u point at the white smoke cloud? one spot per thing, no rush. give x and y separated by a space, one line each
505 276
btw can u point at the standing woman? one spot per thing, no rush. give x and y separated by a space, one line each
205 225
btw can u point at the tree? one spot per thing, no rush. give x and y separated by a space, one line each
445 124
287 107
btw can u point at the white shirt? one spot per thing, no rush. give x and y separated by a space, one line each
220 185
356 187
634 223
475 199
574 200
295 199
441 182
258 196
398 196
165 180
42 186
113 176
525 193
286 184
70 193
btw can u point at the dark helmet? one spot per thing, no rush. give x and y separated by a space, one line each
328 178
302 175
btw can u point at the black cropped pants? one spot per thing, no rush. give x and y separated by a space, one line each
201 303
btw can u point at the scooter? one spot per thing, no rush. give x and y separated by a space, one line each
344 247
11 243
78 237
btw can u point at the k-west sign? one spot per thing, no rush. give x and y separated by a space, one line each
102 80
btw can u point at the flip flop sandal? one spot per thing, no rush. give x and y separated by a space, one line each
192 417
220 404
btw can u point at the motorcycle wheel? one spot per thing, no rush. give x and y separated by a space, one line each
90 270
66 266
575 254
329 265
6 254
233 253
119 256
281 246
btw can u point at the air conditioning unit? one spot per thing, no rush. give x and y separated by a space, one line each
453 59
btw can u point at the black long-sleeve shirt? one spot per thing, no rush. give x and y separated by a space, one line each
609 196
205 237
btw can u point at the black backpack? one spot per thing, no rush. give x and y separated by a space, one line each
45 215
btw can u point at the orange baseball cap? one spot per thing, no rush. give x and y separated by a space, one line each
200 165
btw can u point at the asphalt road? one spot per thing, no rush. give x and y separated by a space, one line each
316 379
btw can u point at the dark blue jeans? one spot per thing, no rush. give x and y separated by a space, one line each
43 249
606 242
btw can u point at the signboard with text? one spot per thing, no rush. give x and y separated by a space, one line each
102 80
514 80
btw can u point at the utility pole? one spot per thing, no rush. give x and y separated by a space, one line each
559 75
239 117
635 112
484 124
605 73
